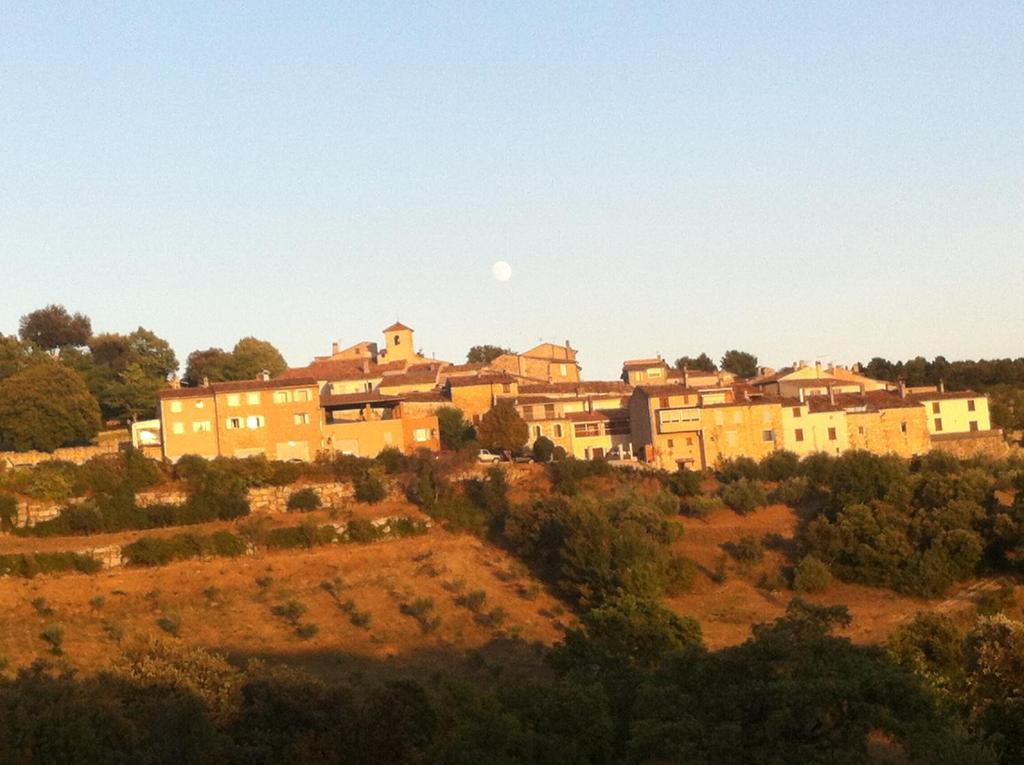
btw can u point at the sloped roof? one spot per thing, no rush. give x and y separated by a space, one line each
578 388
237 386
397 327
484 379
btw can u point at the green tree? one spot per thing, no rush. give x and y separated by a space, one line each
46 406
740 363
212 364
702 363
485 353
543 449
252 356
502 429
455 432
14 355
53 328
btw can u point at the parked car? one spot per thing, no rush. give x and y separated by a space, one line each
522 458
487 456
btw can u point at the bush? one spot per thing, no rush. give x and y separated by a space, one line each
543 449
170 623
392 460
474 600
681 573
739 468
306 631
370 488
811 575
700 506
291 610
304 535
54 635
304 500
360 619
421 610
792 491
30 564
747 551
780 465
362 530
684 482
8 511
744 495
224 544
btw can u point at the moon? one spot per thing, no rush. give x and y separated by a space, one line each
502 271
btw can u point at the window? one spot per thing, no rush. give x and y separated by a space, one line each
303 395
255 421
562 369
671 443
398 339
860 430
796 411
549 411
537 431
234 399
664 402
252 398
973 426
420 435
282 396
832 434
903 428
175 406
200 405
301 419
234 423
201 426
178 428
936 407
506 388
970 405
767 435
558 431
938 424
799 434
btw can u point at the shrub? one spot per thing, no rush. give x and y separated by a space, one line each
811 575
227 545
291 610
558 454
170 623
684 482
306 631
744 495
42 607
493 618
8 511
370 488
421 610
699 506
304 500
739 468
392 460
680 574
54 635
747 551
303 535
97 602
780 465
30 564
474 600
543 449
360 619
362 530
791 491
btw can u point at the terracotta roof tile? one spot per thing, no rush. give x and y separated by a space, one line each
237 386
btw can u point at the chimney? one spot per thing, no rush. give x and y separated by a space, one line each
366 366
817 369
175 382
686 376
206 382
855 368
942 385
335 348
263 376
801 395
901 386
831 395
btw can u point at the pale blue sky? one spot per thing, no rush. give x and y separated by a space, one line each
793 179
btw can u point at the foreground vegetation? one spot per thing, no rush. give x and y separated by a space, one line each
631 681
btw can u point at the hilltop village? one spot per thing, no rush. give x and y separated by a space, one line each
364 398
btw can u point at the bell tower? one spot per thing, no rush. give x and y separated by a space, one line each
399 343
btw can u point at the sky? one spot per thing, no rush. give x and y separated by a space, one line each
797 180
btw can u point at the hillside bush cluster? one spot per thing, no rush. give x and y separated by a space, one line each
631 684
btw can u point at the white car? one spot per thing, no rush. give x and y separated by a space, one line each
486 456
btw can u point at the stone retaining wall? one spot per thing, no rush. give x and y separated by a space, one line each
274 499
75 454
150 498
